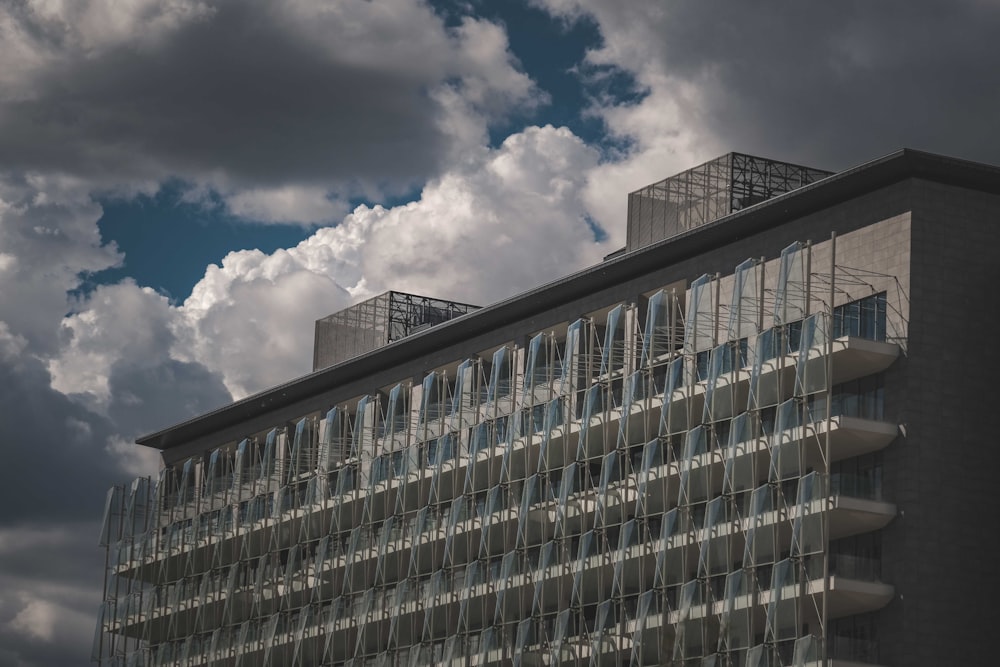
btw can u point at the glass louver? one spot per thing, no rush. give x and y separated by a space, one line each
616 495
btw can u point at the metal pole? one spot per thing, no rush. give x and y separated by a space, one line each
804 426
826 449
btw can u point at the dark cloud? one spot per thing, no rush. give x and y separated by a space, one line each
837 83
55 468
145 398
55 473
240 93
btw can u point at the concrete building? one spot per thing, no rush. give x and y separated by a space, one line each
761 440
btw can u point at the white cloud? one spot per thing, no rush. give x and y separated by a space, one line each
122 321
49 620
49 236
508 221
504 220
286 204
134 461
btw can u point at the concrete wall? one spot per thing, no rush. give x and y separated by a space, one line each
940 553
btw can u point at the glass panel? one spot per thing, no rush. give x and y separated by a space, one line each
113 505
758 656
673 418
499 391
744 310
397 419
761 529
609 498
627 537
719 397
763 375
333 445
465 401
781 610
185 490
786 441
714 550
811 370
568 513
652 479
670 566
302 461
211 483
536 370
547 558
487 644
657 339
554 419
525 638
807 528
739 455
699 321
592 422
808 651
694 468
735 621
305 621
363 440
689 642
791 293
531 495
431 404
242 471
441 450
588 547
632 425
574 363
613 352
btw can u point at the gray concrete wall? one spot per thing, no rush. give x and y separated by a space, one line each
940 552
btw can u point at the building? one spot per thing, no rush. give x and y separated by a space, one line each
766 440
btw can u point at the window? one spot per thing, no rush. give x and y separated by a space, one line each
864 318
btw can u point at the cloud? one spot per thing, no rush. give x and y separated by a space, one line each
273 105
287 204
49 236
48 601
828 85
518 205
62 451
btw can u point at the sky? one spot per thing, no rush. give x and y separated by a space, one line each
186 185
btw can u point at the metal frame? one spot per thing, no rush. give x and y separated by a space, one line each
708 192
378 321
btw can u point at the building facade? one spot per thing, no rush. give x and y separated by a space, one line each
763 441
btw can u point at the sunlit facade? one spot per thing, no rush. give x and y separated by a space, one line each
688 455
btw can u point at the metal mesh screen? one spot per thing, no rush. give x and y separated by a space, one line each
708 192
383 319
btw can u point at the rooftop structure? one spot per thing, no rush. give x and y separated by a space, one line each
376 322
762 442
708 192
